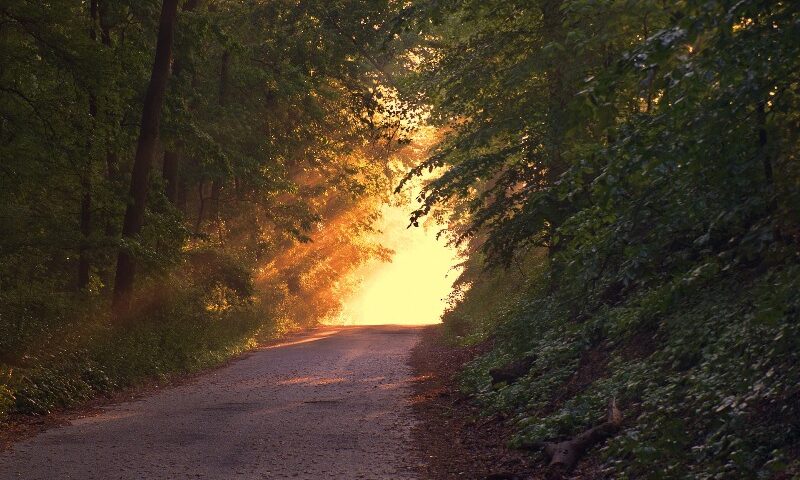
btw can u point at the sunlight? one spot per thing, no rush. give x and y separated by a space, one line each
412 288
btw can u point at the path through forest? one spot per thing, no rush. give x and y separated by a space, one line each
334 404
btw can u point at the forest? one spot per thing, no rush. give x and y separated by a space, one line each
182 180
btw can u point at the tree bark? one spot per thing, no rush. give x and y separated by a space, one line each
558 97
85 220
182 195
564 456
105 27
223 77
217 183
145 151
170 174
553 26
112 169
172 158
200 209
84 264
216 188
766 161
112 159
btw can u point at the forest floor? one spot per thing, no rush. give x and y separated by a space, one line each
333 404
458 442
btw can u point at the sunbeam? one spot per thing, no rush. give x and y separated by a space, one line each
413 287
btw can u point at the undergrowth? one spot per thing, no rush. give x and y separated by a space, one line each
703 367
61 350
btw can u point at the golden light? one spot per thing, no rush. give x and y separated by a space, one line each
412 288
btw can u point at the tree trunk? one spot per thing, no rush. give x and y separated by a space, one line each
216 188
172 158
217 183
200 209
182 195
112 169
766 161
105 27
223 77
85 220
112 165
112 159
564 456
170 174
84 265
762 142
558 97
145 151
553 26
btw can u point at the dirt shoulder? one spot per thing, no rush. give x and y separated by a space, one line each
454 442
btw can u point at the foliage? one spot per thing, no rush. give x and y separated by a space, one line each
179 330
651 148
273 133
475 309
705 375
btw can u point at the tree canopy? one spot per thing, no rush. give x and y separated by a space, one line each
622 174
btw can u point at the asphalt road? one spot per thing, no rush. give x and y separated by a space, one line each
332 405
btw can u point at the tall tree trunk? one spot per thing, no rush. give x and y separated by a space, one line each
762 142
223 77
553 26
105 27
216 188
172 157
217 184
553 31
170 174
145 151
112 170
85 220
84 265
182 195
112 159
766 161
200 209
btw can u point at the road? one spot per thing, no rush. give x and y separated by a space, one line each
332 405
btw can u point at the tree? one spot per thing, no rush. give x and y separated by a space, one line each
145 154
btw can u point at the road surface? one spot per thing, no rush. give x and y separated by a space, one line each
334 405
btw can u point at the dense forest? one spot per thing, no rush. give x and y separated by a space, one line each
626 176
165 166
184 178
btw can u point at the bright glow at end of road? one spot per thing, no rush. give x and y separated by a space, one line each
411 289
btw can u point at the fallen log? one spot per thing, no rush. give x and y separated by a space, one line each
511 372
564 456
